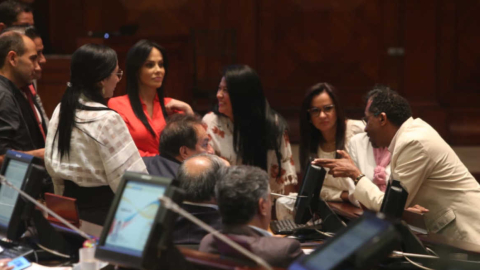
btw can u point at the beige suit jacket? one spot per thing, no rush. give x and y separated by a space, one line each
435 178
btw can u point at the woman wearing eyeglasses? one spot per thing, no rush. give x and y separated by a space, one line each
324 129
89 147
145 108
245 130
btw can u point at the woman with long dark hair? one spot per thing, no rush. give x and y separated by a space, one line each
144 107
89 147
324 129
245 130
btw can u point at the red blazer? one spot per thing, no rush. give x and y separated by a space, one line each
146 143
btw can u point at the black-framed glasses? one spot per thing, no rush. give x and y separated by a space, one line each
315 111
119 74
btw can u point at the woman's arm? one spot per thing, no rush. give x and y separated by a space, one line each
177 105
118 151
288 174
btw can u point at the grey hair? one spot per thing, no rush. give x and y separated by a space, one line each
200 187
238 193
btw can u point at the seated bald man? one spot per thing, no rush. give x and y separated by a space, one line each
243 197
197 176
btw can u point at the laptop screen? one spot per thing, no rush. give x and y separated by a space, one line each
134 217
15 173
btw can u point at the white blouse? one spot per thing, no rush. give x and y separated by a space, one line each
220 131
101 150
333 187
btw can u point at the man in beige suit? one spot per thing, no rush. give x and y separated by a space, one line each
423 162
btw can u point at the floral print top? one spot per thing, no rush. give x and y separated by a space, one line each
220 132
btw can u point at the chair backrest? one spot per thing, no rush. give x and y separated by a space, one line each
204 260
63 206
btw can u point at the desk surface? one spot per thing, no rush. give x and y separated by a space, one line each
349 211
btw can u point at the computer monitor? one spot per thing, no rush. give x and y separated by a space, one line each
393 206
359 246
309 194
309 203
133 220
394 200
19 169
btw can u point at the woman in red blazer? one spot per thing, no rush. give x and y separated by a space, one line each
144 107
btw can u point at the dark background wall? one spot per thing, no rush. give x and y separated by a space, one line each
427 50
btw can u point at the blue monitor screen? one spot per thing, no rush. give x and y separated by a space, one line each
134 217
346 244
15 173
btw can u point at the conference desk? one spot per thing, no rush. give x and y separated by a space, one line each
434 241
441 244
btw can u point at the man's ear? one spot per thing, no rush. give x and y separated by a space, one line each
12 58
184 152
383 118
263 207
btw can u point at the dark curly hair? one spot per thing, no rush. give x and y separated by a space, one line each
391 103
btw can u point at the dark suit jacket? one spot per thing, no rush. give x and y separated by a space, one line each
187 233
277 251
19 129
162 166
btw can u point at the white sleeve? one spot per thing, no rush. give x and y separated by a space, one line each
117 150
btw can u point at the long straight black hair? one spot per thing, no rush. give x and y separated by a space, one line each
90 64
256 127
136 57
311 137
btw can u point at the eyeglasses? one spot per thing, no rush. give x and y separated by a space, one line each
365 118
315 112
119 74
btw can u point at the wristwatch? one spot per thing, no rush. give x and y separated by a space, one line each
355 181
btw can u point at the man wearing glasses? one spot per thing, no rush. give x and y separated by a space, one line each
422 161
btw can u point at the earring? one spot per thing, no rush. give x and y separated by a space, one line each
103 91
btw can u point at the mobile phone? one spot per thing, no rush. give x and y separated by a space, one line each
19 263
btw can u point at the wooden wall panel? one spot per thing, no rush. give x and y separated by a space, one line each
427 50
458 69
420 49
305 42
52 85
459 58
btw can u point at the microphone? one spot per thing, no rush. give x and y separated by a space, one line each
5 182
287 196
170 205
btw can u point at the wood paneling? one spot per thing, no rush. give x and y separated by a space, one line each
427 50
52 85
305 42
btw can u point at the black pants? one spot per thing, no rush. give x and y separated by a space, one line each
93 202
